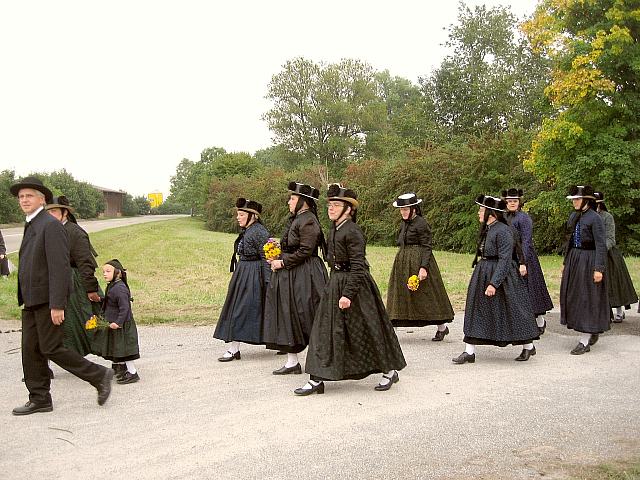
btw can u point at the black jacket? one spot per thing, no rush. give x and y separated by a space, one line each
117 303
347 246
44 272
417 232
81 256
301 240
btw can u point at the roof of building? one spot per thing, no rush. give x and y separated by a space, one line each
109 190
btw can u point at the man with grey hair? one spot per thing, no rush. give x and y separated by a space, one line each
44 283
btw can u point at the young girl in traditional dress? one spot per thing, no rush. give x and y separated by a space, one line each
538 294
429 304
621 290
584 299
241 319
352 335
497 311
120 340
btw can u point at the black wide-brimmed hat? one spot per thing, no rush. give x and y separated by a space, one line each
250 206
512 194
599 197
338 192
34 183
492 203
60 202
407 200
580 191
304 190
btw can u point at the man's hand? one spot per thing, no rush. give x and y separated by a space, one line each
344 303
523 270
94 297
57 316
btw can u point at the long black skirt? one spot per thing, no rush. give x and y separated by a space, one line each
429 305
355 342
584 304
79 310
503 319
241 318
620 285
290 305
538 293
117 345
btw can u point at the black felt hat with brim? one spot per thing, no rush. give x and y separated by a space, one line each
338 192
492 203
33 183
599 197
512 194
250 206
304 190
407 200
581 191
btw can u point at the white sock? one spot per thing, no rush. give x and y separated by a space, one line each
619 311
292 360
310 384
540 321
131 368
386 378
442 327
584 339
234 347
528 346
470 349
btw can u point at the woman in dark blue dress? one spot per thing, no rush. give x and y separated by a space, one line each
241 319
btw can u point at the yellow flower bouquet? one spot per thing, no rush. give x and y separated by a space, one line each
96 322
272 249
413 283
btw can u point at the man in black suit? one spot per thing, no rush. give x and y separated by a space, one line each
44 283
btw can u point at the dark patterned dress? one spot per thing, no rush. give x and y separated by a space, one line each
505 318
584 304
358 341
429 305
295 290
4 262
621 289
538 293
241 319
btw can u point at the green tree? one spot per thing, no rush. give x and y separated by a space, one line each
9 209
129 206
593 135
143 207
325 112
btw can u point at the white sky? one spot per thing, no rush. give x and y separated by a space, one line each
119 92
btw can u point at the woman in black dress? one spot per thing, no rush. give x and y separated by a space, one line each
621 290
297 280
584 300
497 311
241 319
352 336
429 304
4 260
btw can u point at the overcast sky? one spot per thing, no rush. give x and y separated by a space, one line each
119 92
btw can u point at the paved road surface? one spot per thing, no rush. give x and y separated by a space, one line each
13 236
191 417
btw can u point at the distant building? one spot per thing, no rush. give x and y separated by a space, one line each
113 199
155 199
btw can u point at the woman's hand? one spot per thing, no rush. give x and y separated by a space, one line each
344 303
277 264
490 291
422 274
114 326
523 270
597 277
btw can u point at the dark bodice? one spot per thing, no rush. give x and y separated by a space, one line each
301 240
498 246
591 236
346 252
416 232
250 246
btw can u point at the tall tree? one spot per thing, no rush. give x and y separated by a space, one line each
324 112
593 136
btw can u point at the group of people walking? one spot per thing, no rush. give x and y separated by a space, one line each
289 303
61 297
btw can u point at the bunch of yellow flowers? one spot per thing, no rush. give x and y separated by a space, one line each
413 283
272 249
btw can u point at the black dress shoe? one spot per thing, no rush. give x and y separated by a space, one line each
296 369
319 389
525 354
128 377
580 349
439 336
234 356
395 378
30 407
119 369
280 352
593 339
104 387
464 357
618 318
542 328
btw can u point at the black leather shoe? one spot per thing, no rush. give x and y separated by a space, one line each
395 378
580 349
618 318
542 328
104 387
319 389
593 339
280 352
30 407
296 370
128 378
234 356
464 357
119 369
526 354
440 335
